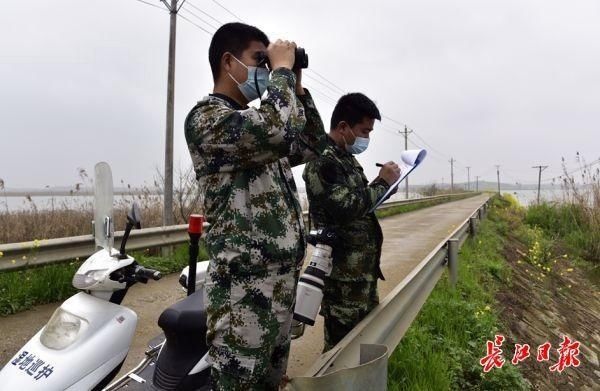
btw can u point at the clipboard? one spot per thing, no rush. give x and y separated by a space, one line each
409 160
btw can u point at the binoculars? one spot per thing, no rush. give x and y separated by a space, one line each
300 59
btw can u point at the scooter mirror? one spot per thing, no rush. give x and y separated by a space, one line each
135 216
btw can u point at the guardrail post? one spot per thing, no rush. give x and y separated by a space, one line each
473 225
453 260
480 213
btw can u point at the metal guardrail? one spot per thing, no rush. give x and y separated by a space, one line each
359 361
25 255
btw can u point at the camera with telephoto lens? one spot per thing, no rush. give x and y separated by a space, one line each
310 286
300 59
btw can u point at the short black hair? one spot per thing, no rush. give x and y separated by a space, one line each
353 108
233 38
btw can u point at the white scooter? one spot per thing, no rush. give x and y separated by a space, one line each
85 343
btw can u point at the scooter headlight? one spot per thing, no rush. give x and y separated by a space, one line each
62 330
85 281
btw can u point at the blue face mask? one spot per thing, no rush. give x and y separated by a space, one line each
256 83
360 144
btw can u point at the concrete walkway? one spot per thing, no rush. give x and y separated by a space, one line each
408 238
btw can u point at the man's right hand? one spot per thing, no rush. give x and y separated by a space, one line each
281 54
390 172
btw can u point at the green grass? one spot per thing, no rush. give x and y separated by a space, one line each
410 207
442 348
572 223
20 290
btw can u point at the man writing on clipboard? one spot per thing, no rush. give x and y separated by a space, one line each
340 197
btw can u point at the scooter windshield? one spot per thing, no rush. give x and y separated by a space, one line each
103 208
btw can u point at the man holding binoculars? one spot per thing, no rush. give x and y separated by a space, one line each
243 158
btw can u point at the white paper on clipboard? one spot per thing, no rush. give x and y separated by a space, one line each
409 160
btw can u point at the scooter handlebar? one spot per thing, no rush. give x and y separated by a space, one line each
148 273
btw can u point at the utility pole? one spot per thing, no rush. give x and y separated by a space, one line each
541 168
168 176
406 133
468 178
477 183
498 175
452 175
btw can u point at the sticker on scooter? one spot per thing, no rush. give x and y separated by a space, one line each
33 366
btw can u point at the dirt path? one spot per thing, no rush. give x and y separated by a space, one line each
408 239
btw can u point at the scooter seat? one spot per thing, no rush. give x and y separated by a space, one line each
184 325
187 315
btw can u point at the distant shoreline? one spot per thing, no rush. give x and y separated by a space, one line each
68 193
87 192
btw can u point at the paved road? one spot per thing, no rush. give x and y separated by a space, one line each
408 239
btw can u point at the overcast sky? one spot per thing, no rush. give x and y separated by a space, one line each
515 83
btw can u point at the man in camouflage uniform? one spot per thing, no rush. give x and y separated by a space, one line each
340 197
243 158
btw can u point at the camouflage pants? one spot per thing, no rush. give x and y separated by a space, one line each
344 305
249 313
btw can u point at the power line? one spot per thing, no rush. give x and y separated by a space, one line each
428 145
202 11
393 120
321 83
152 5
181 5
430 154
167 5
331 100
486 171
340 90
200 18
395 132
573 171
517 181
417 135
198 26
383 116
228 11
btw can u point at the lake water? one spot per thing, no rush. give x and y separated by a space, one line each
528 197
15 203
75 202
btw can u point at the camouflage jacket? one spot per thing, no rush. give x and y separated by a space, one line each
340 197
243 159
